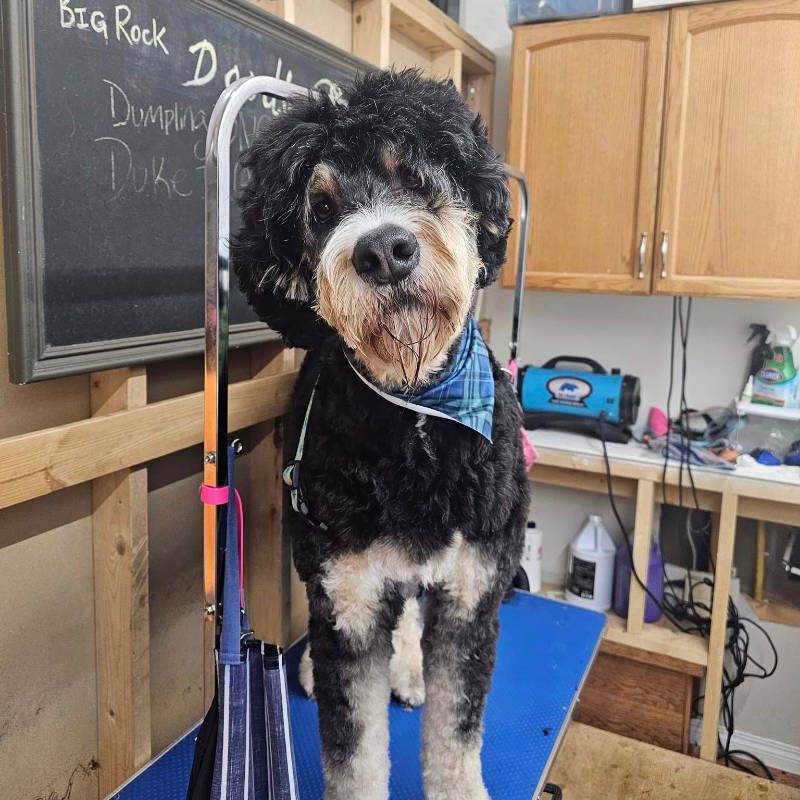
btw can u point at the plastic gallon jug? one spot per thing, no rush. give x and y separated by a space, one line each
590 571
622 582
531 563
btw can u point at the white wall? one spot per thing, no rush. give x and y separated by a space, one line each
632 333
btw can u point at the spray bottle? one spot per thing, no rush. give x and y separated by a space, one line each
776 383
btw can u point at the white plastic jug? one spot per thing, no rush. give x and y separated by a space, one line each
590 571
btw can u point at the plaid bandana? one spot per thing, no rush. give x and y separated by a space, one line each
463 393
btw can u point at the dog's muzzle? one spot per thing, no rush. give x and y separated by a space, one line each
387 254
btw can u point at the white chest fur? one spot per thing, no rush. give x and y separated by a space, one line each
357 582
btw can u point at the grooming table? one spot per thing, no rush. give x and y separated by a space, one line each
544 653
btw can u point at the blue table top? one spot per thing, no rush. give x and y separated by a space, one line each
544 652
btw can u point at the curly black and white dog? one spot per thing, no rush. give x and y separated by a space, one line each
368 228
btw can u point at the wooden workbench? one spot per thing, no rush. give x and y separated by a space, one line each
771 494
598 765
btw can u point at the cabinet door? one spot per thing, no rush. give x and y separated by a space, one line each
730 181
584 126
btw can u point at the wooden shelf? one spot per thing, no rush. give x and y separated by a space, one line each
659 643
432 29
776 613
576 461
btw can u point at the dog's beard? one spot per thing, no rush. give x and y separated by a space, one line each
401 333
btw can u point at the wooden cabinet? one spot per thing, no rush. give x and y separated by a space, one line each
730 183
639 698
586 128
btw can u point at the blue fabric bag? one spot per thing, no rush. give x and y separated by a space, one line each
247 726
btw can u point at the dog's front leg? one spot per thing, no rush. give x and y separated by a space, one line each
459 652
351 647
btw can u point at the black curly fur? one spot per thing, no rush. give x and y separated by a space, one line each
369 471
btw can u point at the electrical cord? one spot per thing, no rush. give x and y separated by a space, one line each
688 614
738 643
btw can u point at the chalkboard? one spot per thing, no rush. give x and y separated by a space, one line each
106 106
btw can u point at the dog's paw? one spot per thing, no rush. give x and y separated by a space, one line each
408 684
408 687
471 792
306 672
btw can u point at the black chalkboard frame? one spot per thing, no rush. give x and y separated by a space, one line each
30 357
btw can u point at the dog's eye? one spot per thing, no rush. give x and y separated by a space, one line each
410 181
322 209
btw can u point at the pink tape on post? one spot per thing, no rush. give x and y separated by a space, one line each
218 496
528 450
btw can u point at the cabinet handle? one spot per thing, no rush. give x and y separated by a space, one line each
642 254
664 249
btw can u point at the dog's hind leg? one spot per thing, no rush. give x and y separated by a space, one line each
408 684
306 671
459 651
350 650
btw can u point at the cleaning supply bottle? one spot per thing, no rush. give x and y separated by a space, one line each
655 582
531 562
590 572
776 383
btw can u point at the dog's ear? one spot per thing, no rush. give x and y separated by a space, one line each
267 253
490 199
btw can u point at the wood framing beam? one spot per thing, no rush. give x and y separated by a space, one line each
372 31
710 480
723 561
642 531
268 562
432 29
34 464
121 596
285 9
448 65
584 481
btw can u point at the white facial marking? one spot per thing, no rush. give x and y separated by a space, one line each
402 333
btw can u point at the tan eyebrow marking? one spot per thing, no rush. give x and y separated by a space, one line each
390 161
322 181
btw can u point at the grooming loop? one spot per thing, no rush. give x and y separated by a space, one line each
522 256
528 449
217 306
243 749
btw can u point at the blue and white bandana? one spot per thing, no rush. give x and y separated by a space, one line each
463 393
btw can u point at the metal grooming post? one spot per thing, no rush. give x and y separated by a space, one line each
522 254
217 297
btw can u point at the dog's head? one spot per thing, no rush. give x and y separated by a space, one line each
377 219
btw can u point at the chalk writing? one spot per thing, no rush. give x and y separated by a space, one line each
131 166
168 118
148 34
151 176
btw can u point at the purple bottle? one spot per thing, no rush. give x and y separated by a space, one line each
622 582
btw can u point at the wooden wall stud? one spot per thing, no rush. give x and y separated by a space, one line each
121 593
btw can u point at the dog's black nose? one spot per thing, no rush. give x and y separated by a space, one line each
386 254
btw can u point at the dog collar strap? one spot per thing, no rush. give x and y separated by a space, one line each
465 393
291 475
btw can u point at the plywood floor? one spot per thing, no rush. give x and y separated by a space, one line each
597 765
